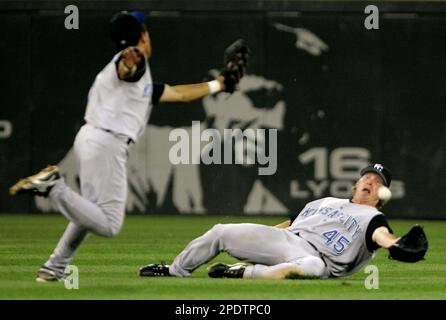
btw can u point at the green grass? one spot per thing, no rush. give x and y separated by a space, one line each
108 267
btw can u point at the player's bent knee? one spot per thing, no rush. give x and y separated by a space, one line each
217 229
112 230
115 220
222 231
313 267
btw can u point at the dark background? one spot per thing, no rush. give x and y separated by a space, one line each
382 90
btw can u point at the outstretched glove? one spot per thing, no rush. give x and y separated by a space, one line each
411 247
235 64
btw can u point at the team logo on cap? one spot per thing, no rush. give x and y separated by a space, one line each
378 167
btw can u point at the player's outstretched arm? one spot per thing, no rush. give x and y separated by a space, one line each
382 237
235 63
191 92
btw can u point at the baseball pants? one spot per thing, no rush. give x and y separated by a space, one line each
100 208
273 251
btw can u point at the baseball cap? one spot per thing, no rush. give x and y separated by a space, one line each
126 28
379 169
139 16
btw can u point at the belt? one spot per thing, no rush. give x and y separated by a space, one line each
314 247
127 140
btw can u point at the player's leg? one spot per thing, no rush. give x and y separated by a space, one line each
53 269
246 241
294 258
306 267
102 171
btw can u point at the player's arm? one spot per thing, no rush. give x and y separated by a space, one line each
382 237
288 222
191 92
235 63
284 224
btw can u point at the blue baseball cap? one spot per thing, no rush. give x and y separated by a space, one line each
126 28
139 16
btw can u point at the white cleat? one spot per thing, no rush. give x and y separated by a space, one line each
39 184
47 275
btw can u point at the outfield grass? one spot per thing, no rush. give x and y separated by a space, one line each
108 267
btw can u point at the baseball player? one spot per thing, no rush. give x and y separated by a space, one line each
330 237
118 109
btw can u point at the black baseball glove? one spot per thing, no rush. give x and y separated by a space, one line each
411 247
235 63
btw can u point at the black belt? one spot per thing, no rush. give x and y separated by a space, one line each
314 247
128 141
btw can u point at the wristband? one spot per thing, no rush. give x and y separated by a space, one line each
214 86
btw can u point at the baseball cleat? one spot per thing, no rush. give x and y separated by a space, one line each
221 270
39 184
154 270
47 275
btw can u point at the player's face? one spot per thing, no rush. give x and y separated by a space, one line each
367 189
145 44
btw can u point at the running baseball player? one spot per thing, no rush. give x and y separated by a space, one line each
118 109
330 237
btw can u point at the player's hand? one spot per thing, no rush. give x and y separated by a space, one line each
411 247
128 64
131 56
236 58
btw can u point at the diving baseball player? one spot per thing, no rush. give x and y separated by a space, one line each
118 109
330 237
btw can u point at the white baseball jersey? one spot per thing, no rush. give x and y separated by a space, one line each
120 106
337 229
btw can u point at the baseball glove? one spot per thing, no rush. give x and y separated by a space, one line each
411 247
235 62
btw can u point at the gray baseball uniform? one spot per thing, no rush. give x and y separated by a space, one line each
328 238
337 228
117 114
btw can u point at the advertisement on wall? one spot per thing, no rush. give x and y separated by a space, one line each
323 97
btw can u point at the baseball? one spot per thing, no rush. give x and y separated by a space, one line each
384 193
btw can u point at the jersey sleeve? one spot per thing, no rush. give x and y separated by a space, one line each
293 217
377 221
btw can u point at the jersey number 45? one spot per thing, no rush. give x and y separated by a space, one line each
337 241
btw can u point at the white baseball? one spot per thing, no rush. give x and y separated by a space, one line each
384 193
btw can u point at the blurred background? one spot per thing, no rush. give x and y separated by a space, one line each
339 95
